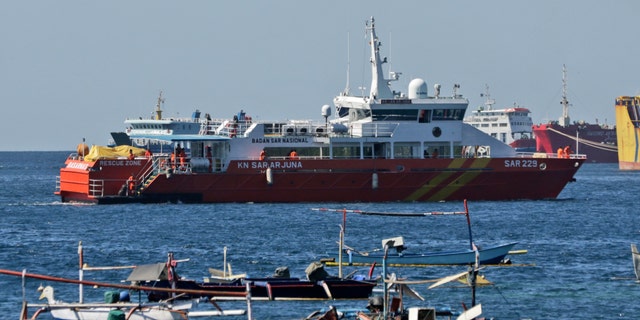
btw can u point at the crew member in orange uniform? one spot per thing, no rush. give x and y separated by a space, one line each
567 152
132 184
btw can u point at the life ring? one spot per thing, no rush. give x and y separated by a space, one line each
482 150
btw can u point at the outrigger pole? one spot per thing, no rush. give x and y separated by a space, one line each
466 213
404 214
396 214
120 286
343 228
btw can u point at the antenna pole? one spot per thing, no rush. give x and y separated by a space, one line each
564 121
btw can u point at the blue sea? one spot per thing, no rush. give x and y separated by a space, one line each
577 266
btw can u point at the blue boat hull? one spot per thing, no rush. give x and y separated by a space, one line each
491 255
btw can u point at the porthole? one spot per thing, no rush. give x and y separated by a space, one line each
436 132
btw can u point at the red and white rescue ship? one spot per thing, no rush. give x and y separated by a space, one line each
386 146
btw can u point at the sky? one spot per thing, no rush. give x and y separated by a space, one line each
77 69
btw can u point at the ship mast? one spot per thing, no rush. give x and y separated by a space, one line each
490 102
158 109
379 86
564 120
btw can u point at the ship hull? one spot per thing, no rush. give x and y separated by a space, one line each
364 180
524 145
628 130
597 143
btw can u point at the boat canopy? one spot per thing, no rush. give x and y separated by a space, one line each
98 152
149 272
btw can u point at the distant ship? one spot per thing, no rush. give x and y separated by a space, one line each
597 141
628 130
509 125
139 130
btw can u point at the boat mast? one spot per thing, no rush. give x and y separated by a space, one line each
158 109
379 86
564 120
489 102
347 88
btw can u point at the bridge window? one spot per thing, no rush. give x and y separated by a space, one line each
448 114
424 116
395 114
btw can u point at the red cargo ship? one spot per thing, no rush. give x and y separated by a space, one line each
598 142
387 146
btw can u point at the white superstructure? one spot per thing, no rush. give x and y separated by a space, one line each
507 125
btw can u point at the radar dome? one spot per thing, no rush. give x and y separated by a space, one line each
326 110
417 89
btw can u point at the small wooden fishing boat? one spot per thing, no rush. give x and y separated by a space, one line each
488 255
318 286
160 310
388 307
352 257
117 304
112 309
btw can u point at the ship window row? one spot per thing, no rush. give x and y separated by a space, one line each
160 126
147 126
515 114
395 114
502 124
448 114
407 150
396 101
423 115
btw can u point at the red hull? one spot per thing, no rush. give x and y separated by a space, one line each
599 144
524 145
378 180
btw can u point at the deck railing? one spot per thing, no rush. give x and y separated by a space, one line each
96 187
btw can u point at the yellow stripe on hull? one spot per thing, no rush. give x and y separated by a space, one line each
452 186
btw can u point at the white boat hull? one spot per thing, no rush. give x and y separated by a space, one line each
65 313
